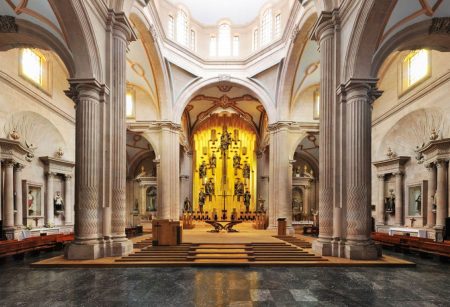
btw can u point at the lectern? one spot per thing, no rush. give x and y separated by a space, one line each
166 232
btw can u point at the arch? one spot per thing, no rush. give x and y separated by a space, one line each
192 90
292 61
32 35
80 37
154 54
364 38
413 37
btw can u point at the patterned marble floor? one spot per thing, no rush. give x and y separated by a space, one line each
425 285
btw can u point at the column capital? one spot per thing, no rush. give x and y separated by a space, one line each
50 174
9 163
281 125
380 177
441 162
430 166
120 25
67 177
323 27
18 167
360 88
399 173
86 88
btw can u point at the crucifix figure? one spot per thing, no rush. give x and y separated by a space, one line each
224 210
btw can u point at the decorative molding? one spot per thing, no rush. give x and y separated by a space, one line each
440 25
8 24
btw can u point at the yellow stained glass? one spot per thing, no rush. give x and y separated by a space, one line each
32 65
418 66
129 105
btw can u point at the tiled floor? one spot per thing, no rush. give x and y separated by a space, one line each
425 285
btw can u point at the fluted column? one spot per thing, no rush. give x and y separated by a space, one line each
325 34
68 205
18 192
121 34
86 94
380 203
280 173
431 217
306 202
49 209
9 194
441 193
358 169
399 209
170 176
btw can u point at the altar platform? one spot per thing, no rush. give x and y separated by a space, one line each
248 247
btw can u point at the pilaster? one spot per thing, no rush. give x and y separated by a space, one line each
9 194
18 194
431 217
380 204
399 208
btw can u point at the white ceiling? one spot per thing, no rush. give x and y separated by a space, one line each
210 12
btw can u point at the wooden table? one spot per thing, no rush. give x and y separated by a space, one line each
223 225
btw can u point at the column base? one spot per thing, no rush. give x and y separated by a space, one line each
79 251
338 248
439 233
323 247
13 233
121 248
362 250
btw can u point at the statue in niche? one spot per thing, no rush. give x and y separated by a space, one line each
433 203
297 171
58 202
247 197
209 189
142 172
238 189
202 170
236 161
418 202
151 200
390 202
246 171
30 202
187 205
201 200
306 173
213 162
136 206
225 139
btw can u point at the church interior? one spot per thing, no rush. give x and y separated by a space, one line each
225 153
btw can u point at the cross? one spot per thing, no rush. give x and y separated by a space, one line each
224 205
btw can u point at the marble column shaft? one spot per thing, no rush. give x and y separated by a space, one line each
18 192
49 209
431 218
399 208
306 202
358 168
87 168
68 205
280 173
8 221
380 204
118 139
441 193
170 176
325 32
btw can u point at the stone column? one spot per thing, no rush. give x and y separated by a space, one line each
399 208
324 33
88 236
122 32
1 191
358 94
380 204
280 183
18 192
185 177
68 205
441 194
157 162
49 209
431 218
170 176
8 221
306 201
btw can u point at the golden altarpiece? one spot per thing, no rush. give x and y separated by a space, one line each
224 178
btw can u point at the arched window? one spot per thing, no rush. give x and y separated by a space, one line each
182 28
170 27
130 110
255 40
415 68
266 27
212 46
193 40
224 40
278 25
35 68
235 45
316 108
